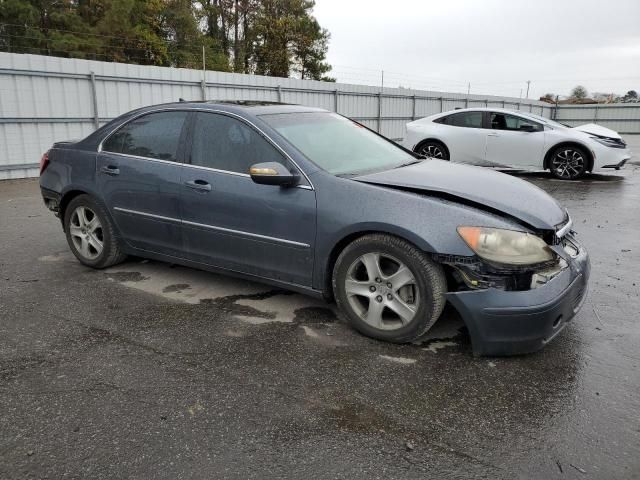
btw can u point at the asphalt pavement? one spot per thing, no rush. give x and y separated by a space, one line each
149 370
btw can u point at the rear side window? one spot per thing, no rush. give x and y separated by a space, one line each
464 119
225 143
156 135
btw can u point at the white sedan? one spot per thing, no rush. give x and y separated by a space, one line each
502 138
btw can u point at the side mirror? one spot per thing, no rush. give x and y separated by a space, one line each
525 127
272 173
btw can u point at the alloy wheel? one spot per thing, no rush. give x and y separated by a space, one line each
86 232
382 291
568 163
431 150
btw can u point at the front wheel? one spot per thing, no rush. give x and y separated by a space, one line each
90 233
388 289
568 163
432 149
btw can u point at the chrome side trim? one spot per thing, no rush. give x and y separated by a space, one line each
209 110
248 234
216 170
212 227
178 164
145 214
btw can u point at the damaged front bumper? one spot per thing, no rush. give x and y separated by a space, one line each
509 322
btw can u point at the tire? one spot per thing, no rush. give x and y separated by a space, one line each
433 149
90 233
420 300
568 163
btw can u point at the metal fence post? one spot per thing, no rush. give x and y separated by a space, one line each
595 114
279 94
335 100
466 102
486 103
441 105
379 111
203 87
94 98
413 108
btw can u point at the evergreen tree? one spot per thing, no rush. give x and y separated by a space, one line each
269 37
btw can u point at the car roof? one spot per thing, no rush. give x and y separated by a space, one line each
243 107
480 109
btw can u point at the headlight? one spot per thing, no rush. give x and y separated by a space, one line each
506 246
610 142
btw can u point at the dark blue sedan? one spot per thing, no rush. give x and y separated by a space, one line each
312 201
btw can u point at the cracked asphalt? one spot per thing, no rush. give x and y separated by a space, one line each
149 370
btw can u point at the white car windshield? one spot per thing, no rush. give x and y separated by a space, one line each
336 144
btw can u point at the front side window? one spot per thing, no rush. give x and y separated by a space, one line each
465 119
156 135
503 121
225 143
336 144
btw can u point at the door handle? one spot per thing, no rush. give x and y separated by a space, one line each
110 170
200 185
492 135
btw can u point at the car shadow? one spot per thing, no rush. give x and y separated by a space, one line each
589 177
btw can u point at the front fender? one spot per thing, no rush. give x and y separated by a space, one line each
348 208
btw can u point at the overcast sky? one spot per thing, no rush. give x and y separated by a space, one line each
497 45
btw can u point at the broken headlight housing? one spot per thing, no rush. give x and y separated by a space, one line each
506 247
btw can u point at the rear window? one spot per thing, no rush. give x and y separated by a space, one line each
463 119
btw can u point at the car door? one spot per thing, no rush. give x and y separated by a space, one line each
230 221
465 137
514 141
138 171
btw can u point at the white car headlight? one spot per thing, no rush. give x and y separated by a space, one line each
609 142
506 246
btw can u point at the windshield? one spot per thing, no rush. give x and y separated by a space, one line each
540 118
337 144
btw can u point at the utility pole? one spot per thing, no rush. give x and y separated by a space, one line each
382 83
528 83
468 88
203 63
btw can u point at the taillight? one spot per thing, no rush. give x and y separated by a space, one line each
44 161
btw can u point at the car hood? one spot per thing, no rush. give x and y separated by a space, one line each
478 186
594 129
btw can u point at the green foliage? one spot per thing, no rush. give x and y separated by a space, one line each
269 37
579 92
630 96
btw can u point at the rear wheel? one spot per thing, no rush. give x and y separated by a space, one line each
90 233
432 149
388 289
568 163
